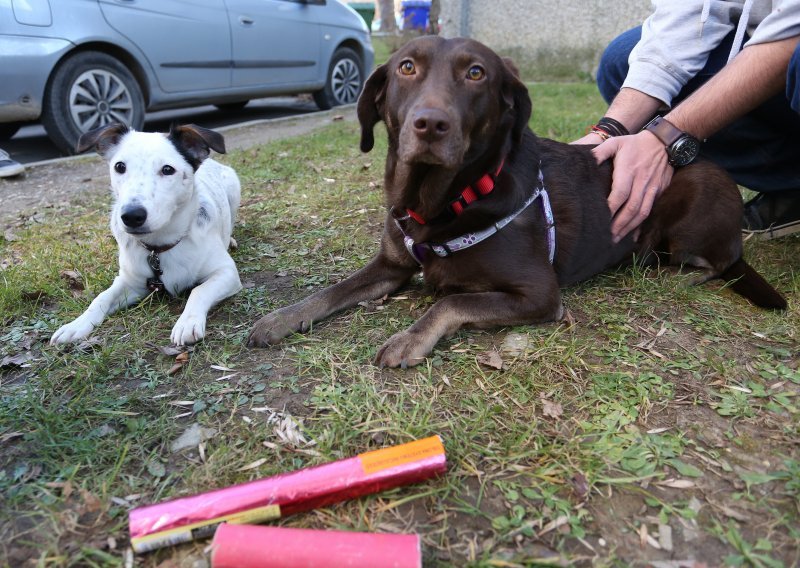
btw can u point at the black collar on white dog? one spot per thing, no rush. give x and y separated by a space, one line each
154 283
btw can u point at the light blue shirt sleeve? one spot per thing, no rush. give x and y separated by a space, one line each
783 22
676 41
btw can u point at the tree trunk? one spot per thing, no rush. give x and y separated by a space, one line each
386 9
433 20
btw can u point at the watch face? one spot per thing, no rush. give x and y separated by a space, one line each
684 151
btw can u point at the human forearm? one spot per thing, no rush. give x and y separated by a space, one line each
633 108
755 75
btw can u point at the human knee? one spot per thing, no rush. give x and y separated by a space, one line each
793 80
613 67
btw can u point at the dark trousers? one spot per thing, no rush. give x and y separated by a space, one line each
761 150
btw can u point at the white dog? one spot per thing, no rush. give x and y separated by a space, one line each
172 216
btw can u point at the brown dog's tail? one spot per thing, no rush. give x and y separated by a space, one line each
746 281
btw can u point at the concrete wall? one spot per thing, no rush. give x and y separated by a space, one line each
546 38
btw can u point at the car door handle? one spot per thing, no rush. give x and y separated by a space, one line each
246 20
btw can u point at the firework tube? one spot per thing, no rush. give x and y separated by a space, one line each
198 516
247 546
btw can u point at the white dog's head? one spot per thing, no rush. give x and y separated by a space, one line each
152 174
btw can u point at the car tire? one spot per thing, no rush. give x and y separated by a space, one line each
86 91
8 129
232 107
344 82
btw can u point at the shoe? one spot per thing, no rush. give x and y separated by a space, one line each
771 215
9 167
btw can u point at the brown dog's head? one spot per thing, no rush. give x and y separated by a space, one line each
444 101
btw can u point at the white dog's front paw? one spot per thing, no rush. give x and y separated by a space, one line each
72 332
190 328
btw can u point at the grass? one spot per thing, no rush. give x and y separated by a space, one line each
664 410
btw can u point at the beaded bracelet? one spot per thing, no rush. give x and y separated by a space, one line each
600 132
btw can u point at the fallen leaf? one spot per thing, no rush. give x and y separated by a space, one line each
193 436
253 465
6 436
554 524
33 296
515 344
156 469
491 359
87 344
91 501
64 486
74 282
676 483
168 350
580 485
665 537
551 409
18 360
568 318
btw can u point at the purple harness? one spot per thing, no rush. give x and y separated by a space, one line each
419 251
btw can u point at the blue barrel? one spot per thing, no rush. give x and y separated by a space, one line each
415 14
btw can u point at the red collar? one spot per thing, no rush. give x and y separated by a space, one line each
470 194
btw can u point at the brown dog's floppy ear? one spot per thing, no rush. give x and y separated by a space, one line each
101 139
193 142
517 98
369 104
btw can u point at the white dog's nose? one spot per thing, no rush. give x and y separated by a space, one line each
134 216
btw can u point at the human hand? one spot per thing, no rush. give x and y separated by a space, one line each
641 173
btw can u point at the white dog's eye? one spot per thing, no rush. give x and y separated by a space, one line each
167 170
120 167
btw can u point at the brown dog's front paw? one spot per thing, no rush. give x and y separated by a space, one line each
404 349
272 328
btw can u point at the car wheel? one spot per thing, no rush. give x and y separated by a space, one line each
86 91
344 82
232 107
8 129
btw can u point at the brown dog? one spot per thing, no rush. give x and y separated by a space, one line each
462 163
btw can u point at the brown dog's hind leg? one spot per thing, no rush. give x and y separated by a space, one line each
482 309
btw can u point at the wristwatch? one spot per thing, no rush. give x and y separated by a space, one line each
682 148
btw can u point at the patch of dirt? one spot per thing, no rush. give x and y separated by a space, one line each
48 187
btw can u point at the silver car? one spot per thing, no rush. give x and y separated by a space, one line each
75 65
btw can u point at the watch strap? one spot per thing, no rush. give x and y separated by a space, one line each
664 130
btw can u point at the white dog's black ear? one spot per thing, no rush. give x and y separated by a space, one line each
101 139
194 142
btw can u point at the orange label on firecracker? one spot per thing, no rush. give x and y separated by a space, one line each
379 460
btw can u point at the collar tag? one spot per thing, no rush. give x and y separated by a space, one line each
154 283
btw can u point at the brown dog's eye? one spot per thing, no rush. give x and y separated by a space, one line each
167 170
119 167
407 67
476 73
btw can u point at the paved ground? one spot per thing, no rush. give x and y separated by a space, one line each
51 185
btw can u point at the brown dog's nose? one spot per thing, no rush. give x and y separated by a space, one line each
431 123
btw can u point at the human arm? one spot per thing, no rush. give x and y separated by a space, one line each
641 171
